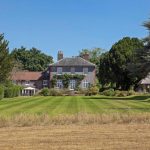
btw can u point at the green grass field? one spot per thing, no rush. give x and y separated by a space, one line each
73 105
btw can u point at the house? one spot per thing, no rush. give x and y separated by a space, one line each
77 68
144 84
31 81
73 66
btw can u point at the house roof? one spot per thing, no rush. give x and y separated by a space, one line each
26 75
74 61
146 80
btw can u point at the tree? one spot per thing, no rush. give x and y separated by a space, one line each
122 54
141 67
113 68
147 39
32 59
94 54
6 61
104 75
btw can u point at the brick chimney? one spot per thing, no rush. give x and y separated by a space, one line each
59 55
86 56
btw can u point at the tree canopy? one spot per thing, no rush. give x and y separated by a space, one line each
115 63
32 59
6 61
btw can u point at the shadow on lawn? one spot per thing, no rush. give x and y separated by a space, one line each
142 98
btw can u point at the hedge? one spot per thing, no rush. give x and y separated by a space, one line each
1 92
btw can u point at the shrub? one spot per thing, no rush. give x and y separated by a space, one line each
131 92
55 92
109 92
12 91
93 90
118 93
1 92
45 92
121 93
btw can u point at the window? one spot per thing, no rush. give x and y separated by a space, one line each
72 70
72 84
85 70
59 70
27 82
85 84
59 84
45 82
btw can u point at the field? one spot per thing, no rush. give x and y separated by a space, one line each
72 105
77 137
76 123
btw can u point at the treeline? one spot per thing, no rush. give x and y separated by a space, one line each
31 59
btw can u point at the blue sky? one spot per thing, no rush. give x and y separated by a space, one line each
71 25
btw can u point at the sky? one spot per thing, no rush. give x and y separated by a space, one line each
71 25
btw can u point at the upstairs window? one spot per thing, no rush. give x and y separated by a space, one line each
72 70
27 83
59 70
85 70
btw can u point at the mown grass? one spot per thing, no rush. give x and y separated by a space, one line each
54 106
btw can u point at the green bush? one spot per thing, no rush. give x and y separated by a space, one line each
118 93
131 92
45 92
93 90
12 91
121 93
56 92
1 92
109 92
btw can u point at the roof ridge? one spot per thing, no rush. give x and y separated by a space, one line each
87 61
77 58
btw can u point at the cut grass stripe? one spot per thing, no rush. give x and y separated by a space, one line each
18 103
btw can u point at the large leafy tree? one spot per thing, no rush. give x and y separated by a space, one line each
32 59
113 66
122 54
6 61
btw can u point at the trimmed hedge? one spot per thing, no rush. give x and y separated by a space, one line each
1 92
12 91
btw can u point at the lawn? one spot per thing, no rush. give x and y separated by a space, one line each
72 105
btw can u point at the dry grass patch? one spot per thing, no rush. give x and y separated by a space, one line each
22 120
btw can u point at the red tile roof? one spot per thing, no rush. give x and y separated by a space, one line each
26 75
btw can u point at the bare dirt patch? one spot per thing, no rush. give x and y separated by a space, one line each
76 137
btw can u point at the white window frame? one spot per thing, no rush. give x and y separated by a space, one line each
27 82
85 70
59 84
72 70
72 84
59 70
85 84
